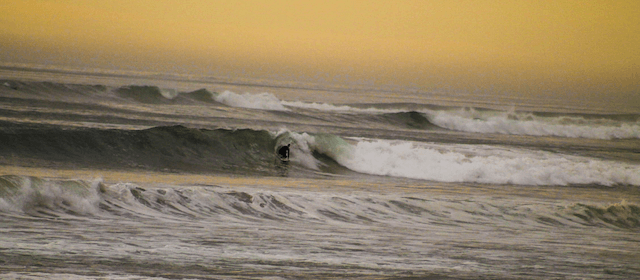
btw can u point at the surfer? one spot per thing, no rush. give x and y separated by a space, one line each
283 152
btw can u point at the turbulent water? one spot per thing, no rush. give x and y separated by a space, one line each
130 175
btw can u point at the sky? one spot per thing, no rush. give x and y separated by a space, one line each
578 50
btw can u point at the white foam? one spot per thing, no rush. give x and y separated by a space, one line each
263 101
482 164
337 108
301 152
510 122
168 93
71 195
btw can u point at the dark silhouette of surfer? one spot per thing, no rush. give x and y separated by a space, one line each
283 152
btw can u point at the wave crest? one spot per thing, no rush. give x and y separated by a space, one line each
524 123
48 198
263 101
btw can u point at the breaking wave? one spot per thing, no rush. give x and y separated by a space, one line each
201 95
246 151
156 95
410 120
53 198
264 101
458 162
484 164
43 197
538 124
146 94
468 119
472 120
339 108
471 163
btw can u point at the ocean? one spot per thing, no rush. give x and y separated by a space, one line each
140 175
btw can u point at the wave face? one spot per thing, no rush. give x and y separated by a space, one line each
410 120
201 95
145 94
174 148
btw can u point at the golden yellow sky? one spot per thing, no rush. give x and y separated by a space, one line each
555 47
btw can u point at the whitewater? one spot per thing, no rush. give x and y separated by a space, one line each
159 176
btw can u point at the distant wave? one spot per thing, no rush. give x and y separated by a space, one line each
156 95
48 89
509 122
146 94
525 123
473 120
52 198
468 119
407 120
264 101
133 93
268 101
339 108
201 95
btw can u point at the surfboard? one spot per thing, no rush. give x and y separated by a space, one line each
283 159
